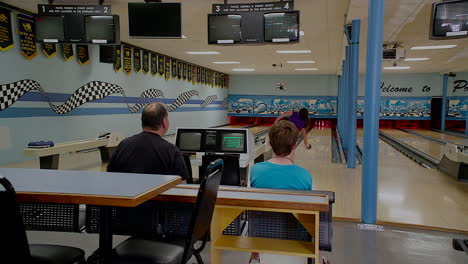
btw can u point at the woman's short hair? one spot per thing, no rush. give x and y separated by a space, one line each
153 115
283 137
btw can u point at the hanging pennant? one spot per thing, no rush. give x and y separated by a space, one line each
161 67
202 78
146 67
210 81
198 75
189 73
216 80
49 49
127 60
184 71
206 76
118 59
27 32
136 60
221 80
82 52
6 35
226 82
174 68
67 51
194 75
154 64
179 70
167 62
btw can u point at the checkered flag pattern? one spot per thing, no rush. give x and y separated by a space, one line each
181 99
224 103
208 100
11 92
151 93
91 91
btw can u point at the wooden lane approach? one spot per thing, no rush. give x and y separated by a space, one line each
49 157
231 202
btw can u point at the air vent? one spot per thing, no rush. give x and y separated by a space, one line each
394 54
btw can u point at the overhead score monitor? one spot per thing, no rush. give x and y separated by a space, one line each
102 29
253 23
232 142
449 20
281 26
224 28
155 20
190 141
50 29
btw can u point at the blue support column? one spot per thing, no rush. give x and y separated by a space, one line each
345 132
353 92
338 105
375 24
444 103
340 101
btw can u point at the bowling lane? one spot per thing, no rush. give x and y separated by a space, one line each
427 146
346 183
412 195
258 129
441 136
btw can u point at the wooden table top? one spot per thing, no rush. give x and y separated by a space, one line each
87 187
252 197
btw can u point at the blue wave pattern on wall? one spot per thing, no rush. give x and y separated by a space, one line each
95 90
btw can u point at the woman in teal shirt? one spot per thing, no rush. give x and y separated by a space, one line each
280 172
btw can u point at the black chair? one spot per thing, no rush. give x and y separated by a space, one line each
177 250
15 247
231 171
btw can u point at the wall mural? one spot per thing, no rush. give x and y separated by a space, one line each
95 90
273 106
325 106
401 107
457 107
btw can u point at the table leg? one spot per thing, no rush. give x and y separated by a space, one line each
222 217
105 235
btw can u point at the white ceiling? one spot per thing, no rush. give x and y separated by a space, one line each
406 23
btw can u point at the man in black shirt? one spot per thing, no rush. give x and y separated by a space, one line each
148 152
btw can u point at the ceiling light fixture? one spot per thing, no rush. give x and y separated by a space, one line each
301 61
397 68
416 59
307 69
433 47
293 51
244 70
226 62
203 52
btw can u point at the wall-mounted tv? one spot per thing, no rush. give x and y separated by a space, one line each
449 20
224 29
281 26
155 20
50 29
102 29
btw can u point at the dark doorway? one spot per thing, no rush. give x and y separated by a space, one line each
436 112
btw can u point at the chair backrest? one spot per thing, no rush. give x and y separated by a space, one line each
12 234
231 171
188 165
204 206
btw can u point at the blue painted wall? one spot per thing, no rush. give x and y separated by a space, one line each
55 75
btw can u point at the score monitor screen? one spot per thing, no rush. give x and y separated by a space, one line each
224 29
450 19
190 141
232 142
50 29
281 27
100 29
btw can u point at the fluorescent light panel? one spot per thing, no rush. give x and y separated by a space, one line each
397 68
433 47
243 70
294 51
301 62
203 52
226 62
307 69
416 59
